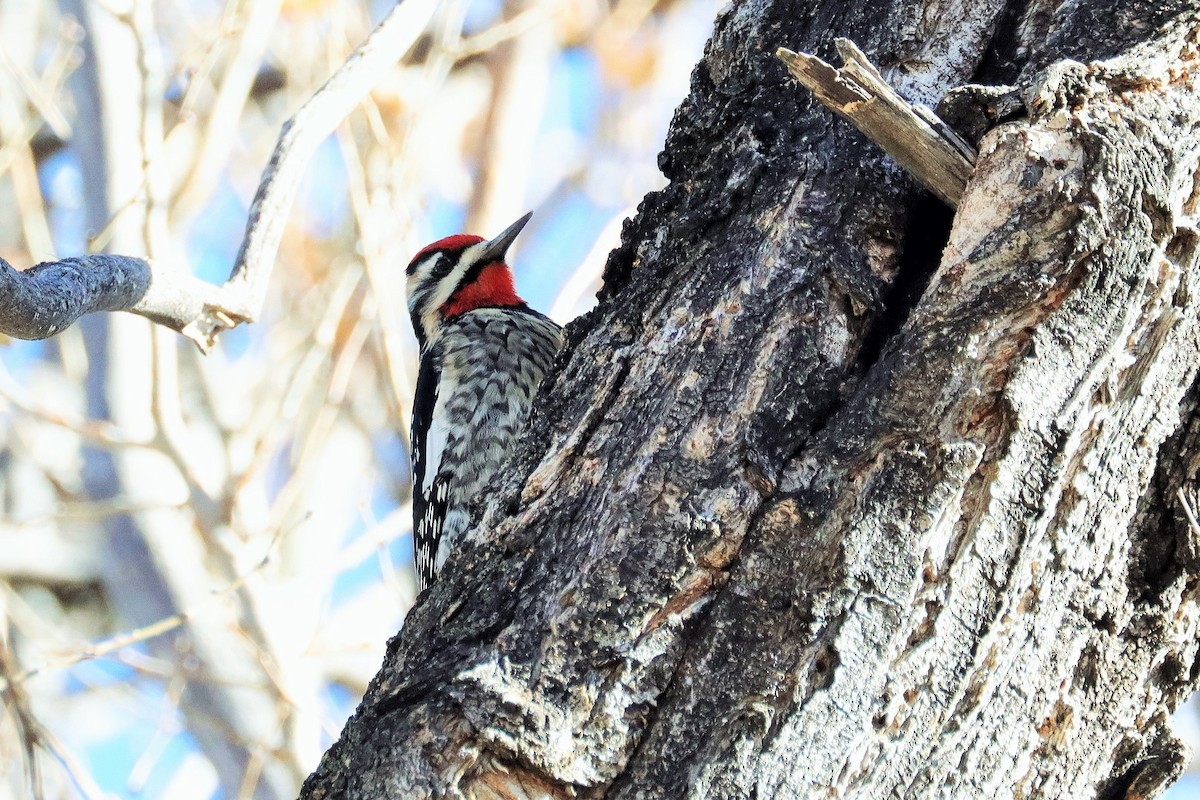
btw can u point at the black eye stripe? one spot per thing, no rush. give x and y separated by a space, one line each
473 273
444 266
416 262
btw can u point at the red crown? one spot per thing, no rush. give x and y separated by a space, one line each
459 241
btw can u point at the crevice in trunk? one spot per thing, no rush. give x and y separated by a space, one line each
1159 538
1118 787
925 236
1004 59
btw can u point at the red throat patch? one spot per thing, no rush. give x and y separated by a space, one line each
493 287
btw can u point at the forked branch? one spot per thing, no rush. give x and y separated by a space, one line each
45 299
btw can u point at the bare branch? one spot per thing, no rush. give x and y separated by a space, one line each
47 298
913 135
299 138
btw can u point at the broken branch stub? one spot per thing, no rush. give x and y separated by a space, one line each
921 143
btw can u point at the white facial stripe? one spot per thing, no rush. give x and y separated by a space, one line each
418 280
432 298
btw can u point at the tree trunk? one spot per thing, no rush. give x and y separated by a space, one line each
790 523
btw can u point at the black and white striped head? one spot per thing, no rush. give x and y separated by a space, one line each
458 274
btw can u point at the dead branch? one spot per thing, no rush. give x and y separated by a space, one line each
913 135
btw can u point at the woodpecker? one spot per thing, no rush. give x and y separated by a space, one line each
483 354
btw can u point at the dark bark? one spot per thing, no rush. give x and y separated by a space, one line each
778 531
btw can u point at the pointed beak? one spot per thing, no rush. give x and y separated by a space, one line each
497 247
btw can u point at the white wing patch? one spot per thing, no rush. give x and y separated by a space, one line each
438 434
435 446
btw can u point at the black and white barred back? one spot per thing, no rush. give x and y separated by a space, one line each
483 355
474 391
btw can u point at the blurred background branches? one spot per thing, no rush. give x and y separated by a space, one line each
201 558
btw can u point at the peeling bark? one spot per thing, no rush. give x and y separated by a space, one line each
778 531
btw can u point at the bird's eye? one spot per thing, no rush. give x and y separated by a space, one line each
420 259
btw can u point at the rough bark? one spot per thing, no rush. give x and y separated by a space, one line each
769 538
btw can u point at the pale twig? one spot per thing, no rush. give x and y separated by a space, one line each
58 68
107 646
389 328
34 735
16 142
158 668
215 140
520 80
77 772
26 724
585 279
303 379
172 431
285 704
32 209
497 34
40 97
397 521
97 431
135 201
298 140
383 553
221 33
253 773
23 169
121 641
316 433
164 731
91 510
1189 512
